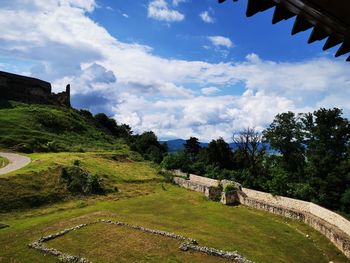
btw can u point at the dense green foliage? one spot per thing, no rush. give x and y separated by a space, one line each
312 160
80 181
148 146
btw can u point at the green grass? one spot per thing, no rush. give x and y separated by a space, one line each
146 199
50 128
3 162
128 245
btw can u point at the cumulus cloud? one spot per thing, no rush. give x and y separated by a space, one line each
205 16
221 41
61 43
159 10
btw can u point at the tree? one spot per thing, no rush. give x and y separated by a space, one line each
147 144
327 137
110 125
178 160
192 147
250 154
285 134
219 154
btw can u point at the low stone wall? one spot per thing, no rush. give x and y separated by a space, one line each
198 179
276 200
330 224
213 193
335 227
190 185
188 244
204 181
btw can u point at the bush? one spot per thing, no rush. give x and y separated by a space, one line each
229 188
80 182
23 148
54 146
76 162
177 160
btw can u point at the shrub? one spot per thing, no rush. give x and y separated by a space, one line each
23 148
54 146
177 160
229 188
76 162
80 182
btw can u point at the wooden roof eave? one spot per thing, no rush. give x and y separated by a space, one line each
325 24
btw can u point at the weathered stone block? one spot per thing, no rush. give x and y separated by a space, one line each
229 198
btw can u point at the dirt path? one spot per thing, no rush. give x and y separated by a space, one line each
16 162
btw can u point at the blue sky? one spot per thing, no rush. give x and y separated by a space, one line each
178 67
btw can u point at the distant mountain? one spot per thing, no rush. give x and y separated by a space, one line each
178 145
175 145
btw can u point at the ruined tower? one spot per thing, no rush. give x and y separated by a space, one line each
31 90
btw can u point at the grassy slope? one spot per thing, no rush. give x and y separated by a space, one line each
145 199
42 125
3 162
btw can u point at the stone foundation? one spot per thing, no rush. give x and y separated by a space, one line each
188 244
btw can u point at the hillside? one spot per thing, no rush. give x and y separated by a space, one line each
42 128
40 205
83 171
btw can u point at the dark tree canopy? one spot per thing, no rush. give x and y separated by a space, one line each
327 136
219 154
192 147
285 134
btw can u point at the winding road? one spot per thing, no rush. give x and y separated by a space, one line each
16 162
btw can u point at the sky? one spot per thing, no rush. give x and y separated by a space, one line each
180 68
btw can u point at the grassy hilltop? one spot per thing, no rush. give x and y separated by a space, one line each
68 187
48 128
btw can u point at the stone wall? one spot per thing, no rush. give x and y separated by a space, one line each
190 185
204 181
213 193
335 227
198 179
31 90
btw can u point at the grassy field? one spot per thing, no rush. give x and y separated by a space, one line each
127 245
3 162
143 198
50 129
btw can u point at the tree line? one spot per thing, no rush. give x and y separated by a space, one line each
303 156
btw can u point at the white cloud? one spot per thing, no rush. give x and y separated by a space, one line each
206 17
209 90
159 10
62 44
125 15
221 41
177 2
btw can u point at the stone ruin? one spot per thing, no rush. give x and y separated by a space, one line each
31 90
188 244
